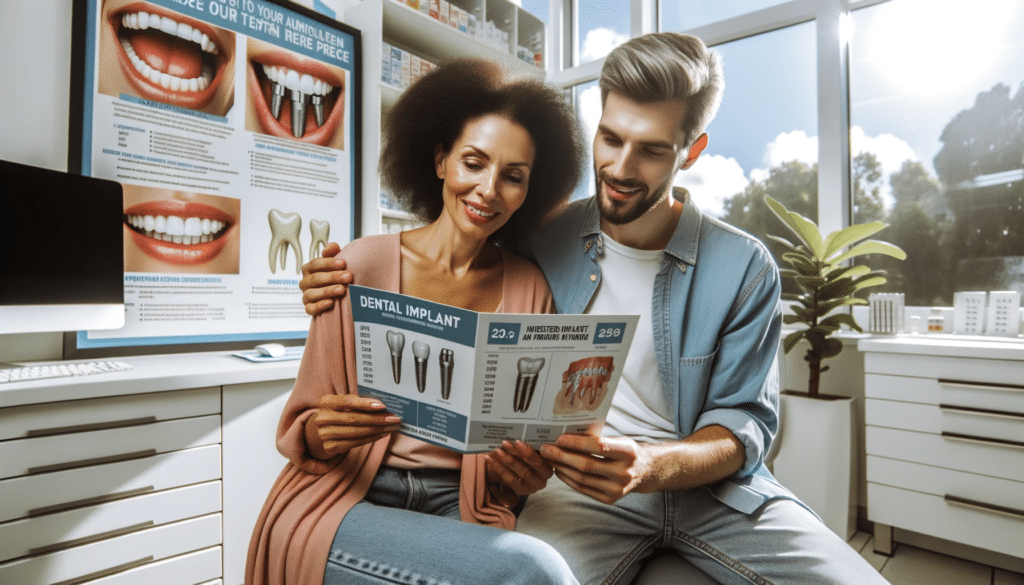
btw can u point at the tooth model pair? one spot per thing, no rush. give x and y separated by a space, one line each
302 90
421 353
284 233
526 383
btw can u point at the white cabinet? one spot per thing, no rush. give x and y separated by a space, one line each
102 483
400 25
945 441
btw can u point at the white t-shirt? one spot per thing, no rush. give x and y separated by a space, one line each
639 409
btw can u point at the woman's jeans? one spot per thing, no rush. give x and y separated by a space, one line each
407 530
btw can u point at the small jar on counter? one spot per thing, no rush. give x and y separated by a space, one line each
936 322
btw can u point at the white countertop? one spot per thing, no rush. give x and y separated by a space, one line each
150 373
972 346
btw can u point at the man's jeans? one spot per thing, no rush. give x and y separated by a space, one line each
407 530
781 543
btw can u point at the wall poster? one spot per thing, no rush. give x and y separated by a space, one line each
233 126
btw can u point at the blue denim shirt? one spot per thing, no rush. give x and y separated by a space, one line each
717 320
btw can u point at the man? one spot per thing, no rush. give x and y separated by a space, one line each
680 463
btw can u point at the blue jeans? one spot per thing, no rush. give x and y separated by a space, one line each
407 531
781 543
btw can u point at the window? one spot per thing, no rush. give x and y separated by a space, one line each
764 139
686 14
587 97
937 132
602 25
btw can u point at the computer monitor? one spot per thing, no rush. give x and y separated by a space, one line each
64 254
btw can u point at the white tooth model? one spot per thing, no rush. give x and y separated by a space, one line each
447 361
526 383
396 341
319 232
421 351
284 232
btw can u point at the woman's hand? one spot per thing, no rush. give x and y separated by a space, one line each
345 421
514 470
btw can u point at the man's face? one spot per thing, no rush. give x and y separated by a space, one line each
637 151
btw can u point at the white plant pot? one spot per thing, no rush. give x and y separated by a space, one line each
816 459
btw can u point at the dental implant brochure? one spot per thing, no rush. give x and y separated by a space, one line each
466 380
232 128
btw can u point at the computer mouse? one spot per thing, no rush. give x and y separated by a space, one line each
270 349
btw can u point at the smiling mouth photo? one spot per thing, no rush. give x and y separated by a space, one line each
294 97
169 58
181 233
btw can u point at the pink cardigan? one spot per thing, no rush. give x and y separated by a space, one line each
295 529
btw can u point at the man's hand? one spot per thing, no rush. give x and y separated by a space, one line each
604 468
323 280
608 468
515 470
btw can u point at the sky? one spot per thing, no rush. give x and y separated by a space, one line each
914 65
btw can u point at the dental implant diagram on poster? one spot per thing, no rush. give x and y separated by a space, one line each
468 381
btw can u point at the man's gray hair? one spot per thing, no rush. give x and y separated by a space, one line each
664 66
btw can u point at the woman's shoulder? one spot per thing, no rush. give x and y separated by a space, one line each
525 286
370 251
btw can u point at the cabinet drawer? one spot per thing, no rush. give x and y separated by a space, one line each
995 459
978 370
63 530
55 453
34 495
935 516
198 567
964 421
92 414
92 561
938 481
1005 398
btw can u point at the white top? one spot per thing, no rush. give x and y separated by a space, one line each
639 409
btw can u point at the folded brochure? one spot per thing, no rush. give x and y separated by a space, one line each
466 380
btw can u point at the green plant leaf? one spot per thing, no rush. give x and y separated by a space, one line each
840 239
871 281
841 319
784 242
851 271
791 340
838 289
790 319
832 348
788 296
802 227
811 282
872 247
801 264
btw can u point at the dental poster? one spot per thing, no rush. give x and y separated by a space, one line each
467 380
232 126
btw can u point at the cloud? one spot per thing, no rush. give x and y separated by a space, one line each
890 151
712 180
599 42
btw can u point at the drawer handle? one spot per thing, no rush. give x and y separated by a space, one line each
984 440
93 461
100 426
42 550
89 501
980 386
984 506
981 411
107 572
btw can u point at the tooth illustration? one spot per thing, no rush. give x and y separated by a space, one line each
447 361
277 93
318 108
142 21
584 385
302 90
396 341
298 113
284 232
526 383
319 232
421 352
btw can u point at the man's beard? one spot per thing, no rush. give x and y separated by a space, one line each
623 212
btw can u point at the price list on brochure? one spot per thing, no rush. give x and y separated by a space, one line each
365 356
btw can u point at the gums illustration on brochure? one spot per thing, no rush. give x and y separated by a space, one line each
493 376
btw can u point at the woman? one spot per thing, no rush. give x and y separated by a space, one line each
482 156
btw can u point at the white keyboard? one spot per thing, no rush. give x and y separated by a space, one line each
26 373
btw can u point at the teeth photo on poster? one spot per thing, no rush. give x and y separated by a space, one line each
231 125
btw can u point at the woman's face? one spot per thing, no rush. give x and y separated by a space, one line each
180 232
157 64
318 87
486 174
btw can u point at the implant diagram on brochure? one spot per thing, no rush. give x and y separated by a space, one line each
421 357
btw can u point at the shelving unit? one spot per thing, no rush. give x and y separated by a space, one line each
411 30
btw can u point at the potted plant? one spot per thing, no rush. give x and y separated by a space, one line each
816 463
